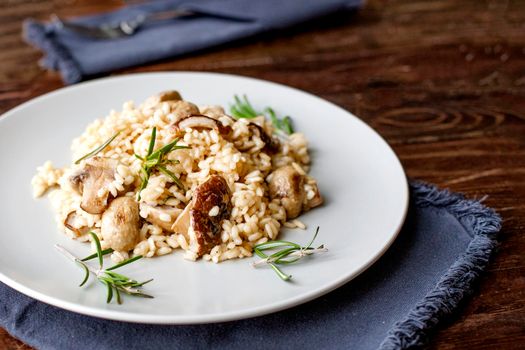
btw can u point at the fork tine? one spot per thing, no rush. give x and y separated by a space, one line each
56 20
103 32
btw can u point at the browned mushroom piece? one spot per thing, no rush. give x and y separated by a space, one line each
271 144
177 106
199 121
316 200
169 95
120 226
215 112
95 174
183 109
73 223
287 184
201 220
163 216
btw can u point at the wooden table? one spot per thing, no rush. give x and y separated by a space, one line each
443 81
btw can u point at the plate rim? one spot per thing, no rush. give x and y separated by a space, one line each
134 317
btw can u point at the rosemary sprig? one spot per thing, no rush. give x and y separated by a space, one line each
288 253
242 108
98 149
156 160
115 283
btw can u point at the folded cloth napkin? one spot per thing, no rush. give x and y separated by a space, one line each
443 247
76 56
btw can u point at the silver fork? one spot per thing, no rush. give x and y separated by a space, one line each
130 27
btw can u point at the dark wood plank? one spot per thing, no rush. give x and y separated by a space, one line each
443 81
9 343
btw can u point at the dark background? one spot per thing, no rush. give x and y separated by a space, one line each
443 81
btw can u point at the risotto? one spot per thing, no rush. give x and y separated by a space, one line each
209 184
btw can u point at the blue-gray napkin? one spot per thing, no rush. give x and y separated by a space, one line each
76 56
444 245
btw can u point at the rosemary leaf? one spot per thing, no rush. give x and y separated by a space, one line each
145 172
150 163
94 255
137 284
98 149
134 293
119 299
117 276
281 274
287 260
241 107
99 249
313 238
110 291
118 283
259 253
144 181
273 117
165 149
235 112
172 176
275 244
152 141
280 254
248 108
125 262
86 276
287 125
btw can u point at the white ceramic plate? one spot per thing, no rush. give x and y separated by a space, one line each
359 176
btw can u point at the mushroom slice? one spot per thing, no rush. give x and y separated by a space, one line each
74 224
163 216
95 174
287 184
271 144
198 222
120 226
182 223
199 121
77 179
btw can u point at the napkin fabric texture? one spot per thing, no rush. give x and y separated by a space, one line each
432 266
77 56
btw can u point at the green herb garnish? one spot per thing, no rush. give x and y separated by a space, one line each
98 149
284 124
242 108
94 255
156 160
287 253
115 283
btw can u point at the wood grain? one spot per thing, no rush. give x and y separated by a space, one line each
443 81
